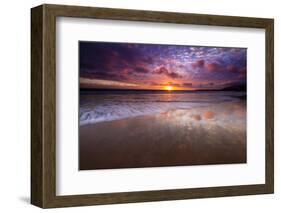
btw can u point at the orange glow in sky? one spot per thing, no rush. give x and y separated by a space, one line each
169 88
135 66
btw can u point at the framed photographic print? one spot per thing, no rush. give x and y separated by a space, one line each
136 106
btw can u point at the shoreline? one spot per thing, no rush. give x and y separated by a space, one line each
201 136
240 99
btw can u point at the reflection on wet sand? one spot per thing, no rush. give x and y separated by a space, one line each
204 135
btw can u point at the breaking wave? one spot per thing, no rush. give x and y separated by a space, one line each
95 108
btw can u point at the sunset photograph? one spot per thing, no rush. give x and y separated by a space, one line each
155 105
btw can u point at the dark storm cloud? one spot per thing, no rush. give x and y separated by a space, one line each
187 84
198 64
106 59
213 67
144 63
165 71
232 68
141 70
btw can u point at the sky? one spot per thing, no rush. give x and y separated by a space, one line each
160 67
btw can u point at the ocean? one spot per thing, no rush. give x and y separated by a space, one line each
98 106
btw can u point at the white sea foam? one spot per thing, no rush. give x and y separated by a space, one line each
100 107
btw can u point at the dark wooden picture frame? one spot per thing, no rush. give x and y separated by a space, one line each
43 105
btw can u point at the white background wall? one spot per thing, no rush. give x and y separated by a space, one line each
15 105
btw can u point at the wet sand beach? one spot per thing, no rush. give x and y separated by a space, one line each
203 135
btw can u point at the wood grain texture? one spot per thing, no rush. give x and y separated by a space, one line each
43 105
269 119
36 106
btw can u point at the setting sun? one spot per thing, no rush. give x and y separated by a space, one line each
169 88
